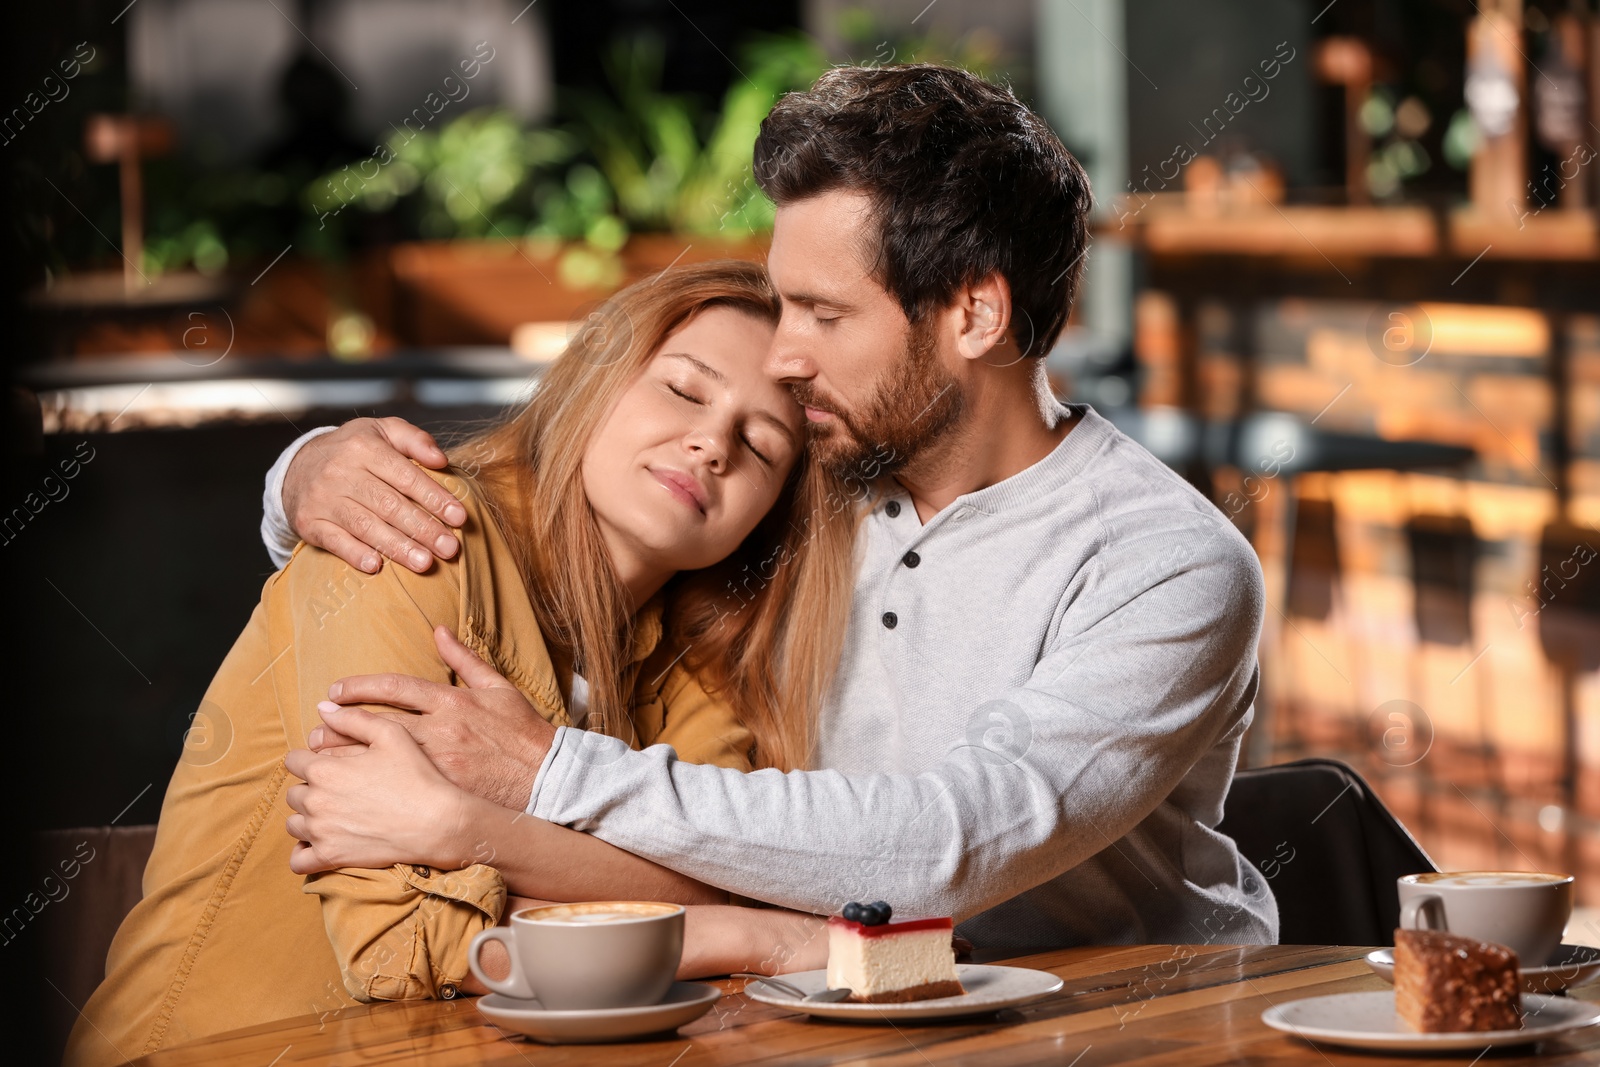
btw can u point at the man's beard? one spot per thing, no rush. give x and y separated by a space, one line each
917 401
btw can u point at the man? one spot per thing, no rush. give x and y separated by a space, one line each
1050 661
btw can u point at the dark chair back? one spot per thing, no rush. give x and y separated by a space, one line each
1328 847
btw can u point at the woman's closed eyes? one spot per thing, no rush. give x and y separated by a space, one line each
683 392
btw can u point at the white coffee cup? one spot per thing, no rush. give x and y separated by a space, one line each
598 954
1524 910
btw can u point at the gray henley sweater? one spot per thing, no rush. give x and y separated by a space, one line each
1033 727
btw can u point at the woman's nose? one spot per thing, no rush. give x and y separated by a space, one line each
707 444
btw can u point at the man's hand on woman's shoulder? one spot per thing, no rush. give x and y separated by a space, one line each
357 493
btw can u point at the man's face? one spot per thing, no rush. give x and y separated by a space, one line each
876 388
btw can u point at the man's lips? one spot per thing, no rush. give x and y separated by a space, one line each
815 412
682 486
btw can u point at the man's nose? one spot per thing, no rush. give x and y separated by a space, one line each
787 358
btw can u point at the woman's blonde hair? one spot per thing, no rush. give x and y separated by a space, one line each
761 630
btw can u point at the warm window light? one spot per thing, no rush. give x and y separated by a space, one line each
541 342
1467 330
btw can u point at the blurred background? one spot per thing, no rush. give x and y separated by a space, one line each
1345 277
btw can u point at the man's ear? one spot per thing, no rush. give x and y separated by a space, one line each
985 310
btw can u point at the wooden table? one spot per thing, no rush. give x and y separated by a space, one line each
1188 1005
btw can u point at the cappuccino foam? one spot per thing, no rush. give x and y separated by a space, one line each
595 914
1489 878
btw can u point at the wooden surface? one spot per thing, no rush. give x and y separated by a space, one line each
1191 1005
1295 231
1169 224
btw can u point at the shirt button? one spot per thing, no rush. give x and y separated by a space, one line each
890 618
911 559
892 509
422 872
448 991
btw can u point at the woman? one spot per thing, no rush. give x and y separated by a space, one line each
604 517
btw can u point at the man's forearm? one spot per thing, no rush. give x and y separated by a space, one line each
808 841
957 839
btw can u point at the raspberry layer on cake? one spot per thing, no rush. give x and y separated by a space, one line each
892 962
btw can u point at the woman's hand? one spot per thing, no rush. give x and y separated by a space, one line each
484 736
374 803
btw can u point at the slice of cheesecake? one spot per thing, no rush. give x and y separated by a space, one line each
1444 983
891 962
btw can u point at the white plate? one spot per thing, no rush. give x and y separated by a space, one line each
987 989
1571 966
684 1002
1368 1020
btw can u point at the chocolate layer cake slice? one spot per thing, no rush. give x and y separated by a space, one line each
1444 983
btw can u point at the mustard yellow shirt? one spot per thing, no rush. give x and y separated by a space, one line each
226 935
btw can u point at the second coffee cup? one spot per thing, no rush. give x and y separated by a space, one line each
594 955
1524 910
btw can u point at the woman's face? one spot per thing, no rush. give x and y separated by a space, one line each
696 449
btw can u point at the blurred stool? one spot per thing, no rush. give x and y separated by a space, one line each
1443 551
1315 591
1567 588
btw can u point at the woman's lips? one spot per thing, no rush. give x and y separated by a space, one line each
681 486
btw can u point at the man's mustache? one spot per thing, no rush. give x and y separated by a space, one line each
806 394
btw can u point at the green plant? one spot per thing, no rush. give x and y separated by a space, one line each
207 218
469 173
669 165
872 42
636 159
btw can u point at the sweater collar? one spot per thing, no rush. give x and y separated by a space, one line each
1063 463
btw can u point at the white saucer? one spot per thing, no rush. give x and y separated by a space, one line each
1368 1020
1569 967
684 1002
988 989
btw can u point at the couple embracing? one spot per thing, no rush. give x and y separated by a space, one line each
788 588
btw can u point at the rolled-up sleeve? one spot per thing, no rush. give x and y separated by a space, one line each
403 932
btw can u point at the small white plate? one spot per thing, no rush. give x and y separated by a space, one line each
1368 1020
684 1002
987 989
1569 967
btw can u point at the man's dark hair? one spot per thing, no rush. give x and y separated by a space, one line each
966 181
